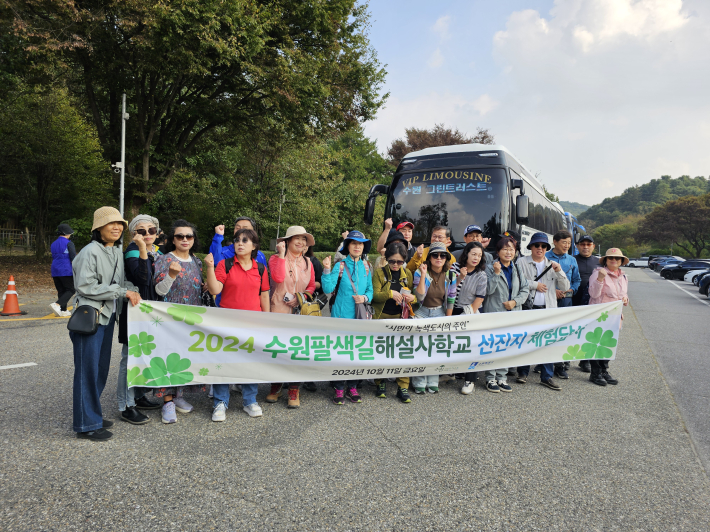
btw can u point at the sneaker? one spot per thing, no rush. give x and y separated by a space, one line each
65 314
339 397
145 404
585 366
403 395
419 390
210 394
443 379
597 379
567 365
275 392
491 386
504 387
552 385
561 373
168 413
381 390
467 388
293 398
95 435
609 379
133 416
254 410
537 369
106 424
311 387
371 382
353 395
521 379
182 406
58 312
511 372
433 389
235 388
220 412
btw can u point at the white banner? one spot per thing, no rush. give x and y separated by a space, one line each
171 345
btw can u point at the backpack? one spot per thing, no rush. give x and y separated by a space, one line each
228 263
340 278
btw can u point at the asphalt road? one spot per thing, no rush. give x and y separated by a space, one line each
586 458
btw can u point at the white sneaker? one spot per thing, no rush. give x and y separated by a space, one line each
182 406
66 314
210 394
235 388
467 388
220 412
168 411
56 309
254 410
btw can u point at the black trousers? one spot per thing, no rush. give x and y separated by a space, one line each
65 289
599 366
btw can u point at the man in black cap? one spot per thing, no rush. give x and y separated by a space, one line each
474 233
586 263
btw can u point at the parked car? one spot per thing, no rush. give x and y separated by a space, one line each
692 275
665 263
678 271
638 263
655 259
699 278
704 284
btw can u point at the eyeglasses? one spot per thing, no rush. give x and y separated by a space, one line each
184 237
393 262
538 245
151 231
437 255
437 238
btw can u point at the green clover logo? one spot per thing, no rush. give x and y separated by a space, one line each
141 344
187 313
599 344
169 372
574 352
146 307
203 372
135 378
603 317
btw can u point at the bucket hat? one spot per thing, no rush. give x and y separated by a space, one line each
297 230
437 247
614 252
64 229
106 215
539 238
357 236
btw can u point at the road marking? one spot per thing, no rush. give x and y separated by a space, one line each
18 365
691 295
47 317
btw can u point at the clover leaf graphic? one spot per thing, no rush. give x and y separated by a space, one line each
140 344
599 344
203 372
603 317
135 378
146 307
169 372
574 352
187 313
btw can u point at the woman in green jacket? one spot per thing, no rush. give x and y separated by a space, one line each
391 290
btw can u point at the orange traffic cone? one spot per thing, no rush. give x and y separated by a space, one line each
12 306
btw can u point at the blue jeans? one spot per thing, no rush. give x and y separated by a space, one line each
220 394
426 312
126 396
545 371
92 359
564 302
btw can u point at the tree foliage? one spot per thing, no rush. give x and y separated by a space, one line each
418 139
685 222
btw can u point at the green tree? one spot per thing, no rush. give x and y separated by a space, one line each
418 139
52 168
616 236
194 69
685 222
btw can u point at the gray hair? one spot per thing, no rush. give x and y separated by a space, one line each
143 218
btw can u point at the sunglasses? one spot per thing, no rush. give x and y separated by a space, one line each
184 237
437 255
538 245
244 240
149 231
614 258
393 262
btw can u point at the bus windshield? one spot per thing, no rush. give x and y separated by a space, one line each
454 198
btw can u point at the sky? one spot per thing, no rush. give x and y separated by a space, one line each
594 96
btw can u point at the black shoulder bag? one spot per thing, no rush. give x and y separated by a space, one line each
528 305
85 319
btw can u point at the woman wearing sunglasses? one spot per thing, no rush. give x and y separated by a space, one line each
178 279
139 259
436 290
391 293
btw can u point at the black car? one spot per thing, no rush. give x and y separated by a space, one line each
699 278
704 284
679 271
653 259
666 262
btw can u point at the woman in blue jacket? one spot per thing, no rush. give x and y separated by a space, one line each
63 253
351 279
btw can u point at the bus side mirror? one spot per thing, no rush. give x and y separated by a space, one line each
577 236
521 210
375 191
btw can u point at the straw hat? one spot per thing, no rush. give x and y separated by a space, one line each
297 230
614 252
106 215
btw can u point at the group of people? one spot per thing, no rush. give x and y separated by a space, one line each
404 282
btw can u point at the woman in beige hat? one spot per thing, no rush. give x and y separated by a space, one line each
291 273
608 284
100 283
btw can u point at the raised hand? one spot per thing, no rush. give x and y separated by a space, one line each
219 230
175 269
423 268
420 250
601 275
326 263
388 224
133 297
556 266
485 242
209 260
497 267
281 249
138 239
344 234
541 287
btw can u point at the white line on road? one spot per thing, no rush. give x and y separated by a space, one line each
18 365
691 295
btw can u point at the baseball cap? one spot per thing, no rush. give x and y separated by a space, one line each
405 224
586 238
471 229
